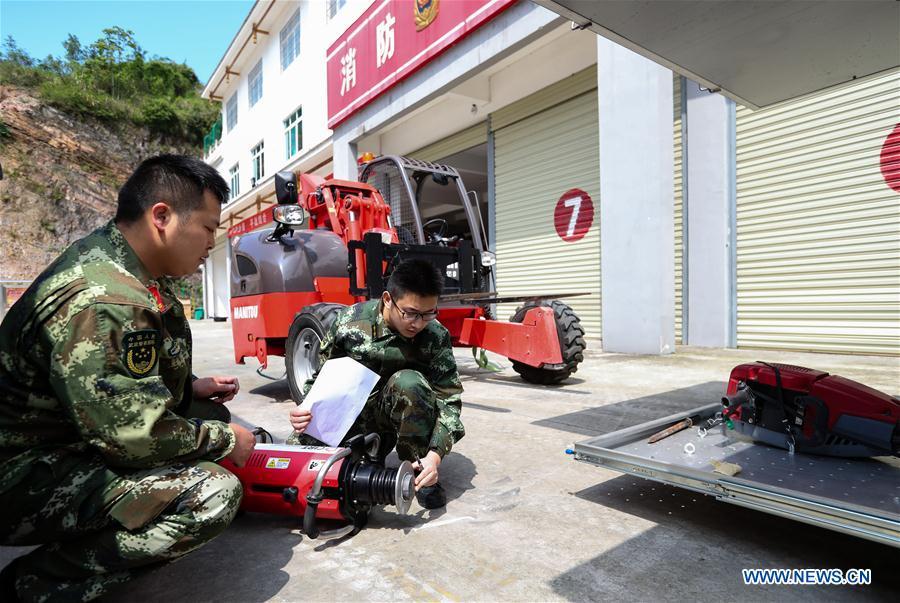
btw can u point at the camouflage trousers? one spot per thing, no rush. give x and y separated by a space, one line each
100 527
404 413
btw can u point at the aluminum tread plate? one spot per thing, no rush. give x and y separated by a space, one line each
857 496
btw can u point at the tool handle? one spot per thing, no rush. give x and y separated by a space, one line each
310 528
683 424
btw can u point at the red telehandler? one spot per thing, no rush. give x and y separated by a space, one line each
288 283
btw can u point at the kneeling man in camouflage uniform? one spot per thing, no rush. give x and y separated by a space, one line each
416 403
103 459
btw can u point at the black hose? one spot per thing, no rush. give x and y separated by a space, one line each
264 436
310 528
785 420
269 377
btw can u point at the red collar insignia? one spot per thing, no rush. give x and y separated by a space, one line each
156 295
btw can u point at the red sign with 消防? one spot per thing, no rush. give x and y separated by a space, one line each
574 215
393 39
255 221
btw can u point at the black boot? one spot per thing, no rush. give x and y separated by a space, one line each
432 497
8 583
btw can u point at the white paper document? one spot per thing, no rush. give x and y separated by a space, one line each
336 398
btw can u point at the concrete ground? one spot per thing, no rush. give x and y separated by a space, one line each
525 522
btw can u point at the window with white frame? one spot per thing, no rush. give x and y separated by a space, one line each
290 40
293 133
234 179
231 112
256 83
258 163
334 6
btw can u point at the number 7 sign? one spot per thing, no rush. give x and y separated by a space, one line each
574 215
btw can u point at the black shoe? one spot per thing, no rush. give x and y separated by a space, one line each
432 497
8 583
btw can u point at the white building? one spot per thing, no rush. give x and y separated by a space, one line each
271 84
781 231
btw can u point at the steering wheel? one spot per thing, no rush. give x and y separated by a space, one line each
405 236
437 235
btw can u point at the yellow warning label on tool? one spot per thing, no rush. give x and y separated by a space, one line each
275 462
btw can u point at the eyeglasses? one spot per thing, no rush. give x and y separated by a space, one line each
413 316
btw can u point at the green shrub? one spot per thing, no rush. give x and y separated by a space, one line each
21 75
159 115
111 80
70 97
196 115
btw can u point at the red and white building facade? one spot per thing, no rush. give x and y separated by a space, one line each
578 152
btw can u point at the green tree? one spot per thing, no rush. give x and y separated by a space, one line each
53 65
74 52
18 67
16 55
114 61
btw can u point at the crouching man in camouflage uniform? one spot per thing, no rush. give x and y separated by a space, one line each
416 403
101 461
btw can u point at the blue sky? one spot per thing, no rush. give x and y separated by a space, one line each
196 32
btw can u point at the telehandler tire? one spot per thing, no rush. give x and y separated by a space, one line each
571 344
301 353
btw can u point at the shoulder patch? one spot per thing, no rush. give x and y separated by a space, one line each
139 351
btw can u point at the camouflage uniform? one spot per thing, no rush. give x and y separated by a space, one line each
416 403
97 461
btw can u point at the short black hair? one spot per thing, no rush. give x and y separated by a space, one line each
178 179
415 276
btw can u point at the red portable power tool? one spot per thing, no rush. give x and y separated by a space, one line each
317 482
811 411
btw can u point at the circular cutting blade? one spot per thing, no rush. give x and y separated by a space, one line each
404 487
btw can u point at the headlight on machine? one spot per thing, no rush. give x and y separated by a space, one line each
488 258
289 215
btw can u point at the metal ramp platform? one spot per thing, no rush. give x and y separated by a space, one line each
855 496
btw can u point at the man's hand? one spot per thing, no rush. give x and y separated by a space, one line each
244 443
428 470
300 419
218 389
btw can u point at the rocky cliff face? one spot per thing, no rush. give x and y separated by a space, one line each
61 177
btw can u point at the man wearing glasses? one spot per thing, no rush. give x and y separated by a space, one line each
416 403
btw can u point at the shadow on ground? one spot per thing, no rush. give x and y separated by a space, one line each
473 373
247 561
601 420
672 560
486 407
457 474
276 391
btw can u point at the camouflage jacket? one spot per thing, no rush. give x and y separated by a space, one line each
92 361
361 333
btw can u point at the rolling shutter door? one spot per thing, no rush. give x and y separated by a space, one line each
679 209
455 143
818 229
545 145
